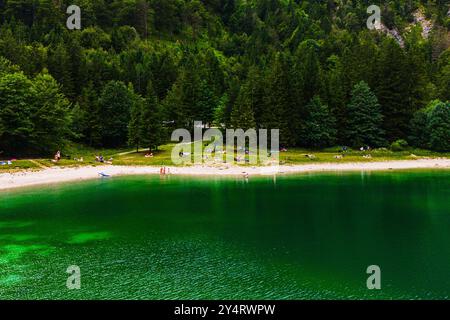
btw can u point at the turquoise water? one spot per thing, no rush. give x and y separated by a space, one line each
297 237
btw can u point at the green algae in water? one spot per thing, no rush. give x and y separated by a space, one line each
310 236
14 224
85 237
17 237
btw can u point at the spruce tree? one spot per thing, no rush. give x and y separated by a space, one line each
336 92
443 76
206 103
242 116
136 125
279 108
320 125
392 90
59 63
254 86
114 110
152 120
86 117
364 118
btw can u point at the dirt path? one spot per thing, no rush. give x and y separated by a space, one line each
40 165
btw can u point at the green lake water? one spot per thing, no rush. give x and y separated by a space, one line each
309 236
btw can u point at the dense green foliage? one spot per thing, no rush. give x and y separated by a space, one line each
319 127
33 114
364 118
140 68
435 118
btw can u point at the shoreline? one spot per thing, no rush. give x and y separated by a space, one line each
48 176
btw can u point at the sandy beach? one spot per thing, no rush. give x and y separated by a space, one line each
60 175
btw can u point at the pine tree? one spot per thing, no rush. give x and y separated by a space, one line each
136 125
336 93
152 120
393 91
309 72
76 56
87 122
443 76
214 75
141 13
114 109
254 86
360 60
220 110
59 63
364 118
184 97
278 108
320 125
242 116
206 103
417 64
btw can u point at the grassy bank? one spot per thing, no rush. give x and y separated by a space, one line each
73 154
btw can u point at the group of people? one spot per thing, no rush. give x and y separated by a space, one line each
101 159
4 163
164 170
363 148
98 158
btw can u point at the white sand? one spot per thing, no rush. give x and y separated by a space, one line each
58 175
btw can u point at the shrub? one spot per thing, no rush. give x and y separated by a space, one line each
399 145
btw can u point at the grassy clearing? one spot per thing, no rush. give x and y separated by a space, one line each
334 155
19 165
162 157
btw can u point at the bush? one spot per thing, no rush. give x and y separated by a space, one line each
399 145
430 127
439 127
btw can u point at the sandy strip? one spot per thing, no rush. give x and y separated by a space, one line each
58 175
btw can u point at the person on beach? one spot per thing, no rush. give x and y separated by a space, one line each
58 156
